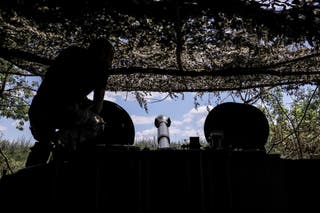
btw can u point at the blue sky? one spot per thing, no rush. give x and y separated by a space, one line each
186 121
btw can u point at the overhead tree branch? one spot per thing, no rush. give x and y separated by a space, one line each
15 53
211 89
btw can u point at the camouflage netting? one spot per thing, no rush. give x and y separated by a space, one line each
172 45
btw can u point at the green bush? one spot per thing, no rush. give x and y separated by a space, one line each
13 155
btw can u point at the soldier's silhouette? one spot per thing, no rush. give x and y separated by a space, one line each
62 95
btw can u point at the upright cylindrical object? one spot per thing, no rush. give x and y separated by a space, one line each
162 123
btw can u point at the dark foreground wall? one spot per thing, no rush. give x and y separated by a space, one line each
164 181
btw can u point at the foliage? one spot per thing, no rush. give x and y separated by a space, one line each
171 45
146 144
15 93
294 122
152 145
13 155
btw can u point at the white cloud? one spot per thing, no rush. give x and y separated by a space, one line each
141 120
147 134
3 128
177 134
112 96
201 121
200 111
191 124
177 123
194 115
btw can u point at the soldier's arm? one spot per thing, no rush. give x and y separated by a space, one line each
98 97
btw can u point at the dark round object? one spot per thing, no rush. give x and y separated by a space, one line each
119 128
236 126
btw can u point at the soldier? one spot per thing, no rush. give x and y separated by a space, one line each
60 102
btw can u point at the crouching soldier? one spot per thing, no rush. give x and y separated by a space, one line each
61 101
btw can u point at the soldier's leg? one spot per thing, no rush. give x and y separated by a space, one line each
40 152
